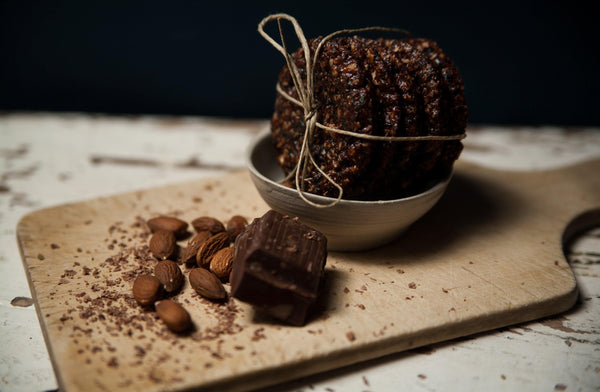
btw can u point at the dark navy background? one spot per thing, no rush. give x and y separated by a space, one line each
523 62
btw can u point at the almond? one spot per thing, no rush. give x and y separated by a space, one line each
221 263
169 274
162 244
177 226
235 226
173 315
206 223
210 247
193 246
147 289
207 284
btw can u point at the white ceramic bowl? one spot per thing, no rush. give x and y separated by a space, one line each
350 225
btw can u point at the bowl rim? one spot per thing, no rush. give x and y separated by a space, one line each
326 199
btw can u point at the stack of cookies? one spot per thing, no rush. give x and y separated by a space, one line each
384 87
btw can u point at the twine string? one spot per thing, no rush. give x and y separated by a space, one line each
305 92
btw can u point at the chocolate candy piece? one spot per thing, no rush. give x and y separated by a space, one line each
278 264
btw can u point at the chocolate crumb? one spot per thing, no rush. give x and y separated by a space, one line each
412 285
258 335
54 246
113 362
350 336
22 302
139 351
69 273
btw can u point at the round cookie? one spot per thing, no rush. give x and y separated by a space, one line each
435 113
430 89
287 122
454 107
344 100
408 64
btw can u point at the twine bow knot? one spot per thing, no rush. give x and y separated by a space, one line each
305 92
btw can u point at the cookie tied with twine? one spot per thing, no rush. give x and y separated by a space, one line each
364 117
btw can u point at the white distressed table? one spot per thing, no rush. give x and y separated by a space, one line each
49 159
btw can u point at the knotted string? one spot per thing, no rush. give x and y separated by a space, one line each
306 101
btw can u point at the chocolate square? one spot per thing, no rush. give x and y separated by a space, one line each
278 265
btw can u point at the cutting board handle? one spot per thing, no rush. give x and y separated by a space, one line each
582 222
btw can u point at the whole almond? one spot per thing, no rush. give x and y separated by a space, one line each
221 263
206 223
173 315
147 289
176 225
235 226
169 274
207 284
162 244
193 246
210 247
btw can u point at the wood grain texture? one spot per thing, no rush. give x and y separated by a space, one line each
488 255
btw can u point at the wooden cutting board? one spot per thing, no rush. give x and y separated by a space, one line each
488 255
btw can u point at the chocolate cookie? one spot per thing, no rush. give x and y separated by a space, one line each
402 79
457 108
287 123
454 107
344 100
387 115
434 116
